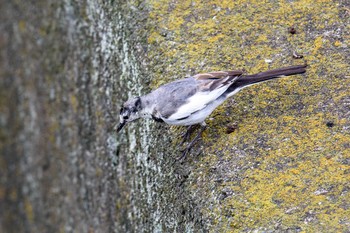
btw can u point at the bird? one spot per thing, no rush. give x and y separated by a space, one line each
191 100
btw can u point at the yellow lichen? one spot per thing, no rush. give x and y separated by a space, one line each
22 26
301 170
318 44
337 43
29 210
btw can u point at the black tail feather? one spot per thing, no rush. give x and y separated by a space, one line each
247 80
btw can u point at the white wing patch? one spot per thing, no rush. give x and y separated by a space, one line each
197 102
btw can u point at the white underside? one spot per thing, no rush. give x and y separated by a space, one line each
200 115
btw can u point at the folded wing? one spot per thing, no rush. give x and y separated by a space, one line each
201 90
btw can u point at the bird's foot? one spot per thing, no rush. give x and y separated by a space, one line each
186 136
193 142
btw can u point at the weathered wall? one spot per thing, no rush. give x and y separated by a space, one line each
66 67
285 167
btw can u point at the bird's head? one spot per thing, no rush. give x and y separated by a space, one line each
130 111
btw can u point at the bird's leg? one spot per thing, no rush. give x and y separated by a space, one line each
187 134
190 145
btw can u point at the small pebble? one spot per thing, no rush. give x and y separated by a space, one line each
292 30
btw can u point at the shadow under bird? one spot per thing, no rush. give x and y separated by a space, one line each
191 100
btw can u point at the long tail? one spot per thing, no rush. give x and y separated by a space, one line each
247 80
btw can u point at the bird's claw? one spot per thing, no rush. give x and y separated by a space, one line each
191 144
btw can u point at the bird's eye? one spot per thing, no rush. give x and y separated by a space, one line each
125 117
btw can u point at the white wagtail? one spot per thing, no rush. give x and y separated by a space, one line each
191 100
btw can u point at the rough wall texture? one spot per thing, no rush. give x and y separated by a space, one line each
285 166
67 66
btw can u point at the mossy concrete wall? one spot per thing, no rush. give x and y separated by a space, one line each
276 157
66 68
285 167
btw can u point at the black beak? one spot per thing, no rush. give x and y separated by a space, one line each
120 126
